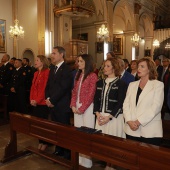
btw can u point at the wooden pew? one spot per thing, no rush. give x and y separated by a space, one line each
121 152
3 107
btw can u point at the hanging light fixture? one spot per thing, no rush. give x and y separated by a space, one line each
103 32
156 43
135 39
16 31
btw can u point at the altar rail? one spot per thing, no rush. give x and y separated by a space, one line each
121 152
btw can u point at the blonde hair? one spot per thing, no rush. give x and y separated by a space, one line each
44 60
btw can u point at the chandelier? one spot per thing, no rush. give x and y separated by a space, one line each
135 39
74 8
103 32
16 31
156 43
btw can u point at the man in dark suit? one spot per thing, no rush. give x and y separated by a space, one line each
164 77
125 76
127 65
6 71
58 92
159 68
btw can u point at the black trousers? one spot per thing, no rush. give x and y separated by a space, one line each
153 141
61 117
41 111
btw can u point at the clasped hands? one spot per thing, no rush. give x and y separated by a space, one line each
134 125
102 119
33 103
76 111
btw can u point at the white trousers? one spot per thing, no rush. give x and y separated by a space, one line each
86 119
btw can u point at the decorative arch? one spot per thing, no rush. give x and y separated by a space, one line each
28 53
126 13
147 24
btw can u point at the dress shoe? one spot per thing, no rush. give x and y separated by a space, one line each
58 153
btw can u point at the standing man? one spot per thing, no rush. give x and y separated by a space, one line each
159 68
6 71
58 92
17 96
125 75
29 77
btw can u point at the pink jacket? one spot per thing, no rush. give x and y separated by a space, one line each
87 91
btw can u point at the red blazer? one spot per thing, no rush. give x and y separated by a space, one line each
39 82
87 91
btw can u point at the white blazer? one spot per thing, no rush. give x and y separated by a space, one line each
147 111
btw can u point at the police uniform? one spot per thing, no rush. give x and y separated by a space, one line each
17 99
6 71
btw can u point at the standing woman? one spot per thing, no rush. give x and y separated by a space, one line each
142 105
37 93
82 98
108 101
134 67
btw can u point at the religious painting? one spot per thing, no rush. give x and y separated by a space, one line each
148 53
83 36
118 45
2 36
99 47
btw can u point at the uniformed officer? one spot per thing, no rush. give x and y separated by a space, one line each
29 77
6 71
17 97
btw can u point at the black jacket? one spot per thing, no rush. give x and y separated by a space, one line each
114 97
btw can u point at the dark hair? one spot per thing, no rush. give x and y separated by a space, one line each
151 66
88 66
112 54
126 60
60 50
18 60
116 65
13 58
27 60
44 60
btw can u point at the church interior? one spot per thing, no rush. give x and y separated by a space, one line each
132 29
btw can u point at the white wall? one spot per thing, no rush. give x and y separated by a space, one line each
6 14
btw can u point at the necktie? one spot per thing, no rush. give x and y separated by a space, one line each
55 69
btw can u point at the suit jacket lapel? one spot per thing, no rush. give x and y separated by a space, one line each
148 87
59 71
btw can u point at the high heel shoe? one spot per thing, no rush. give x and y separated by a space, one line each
39 146
43 147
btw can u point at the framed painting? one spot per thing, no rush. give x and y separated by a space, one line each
2 36
118 45
83 36
99 47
